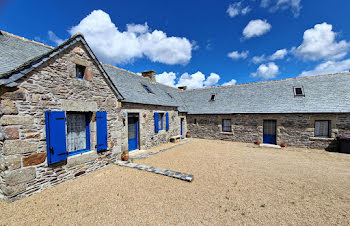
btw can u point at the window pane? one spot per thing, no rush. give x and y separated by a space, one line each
298 91
226 125
76 132
160 121
80 70
321 128
269 127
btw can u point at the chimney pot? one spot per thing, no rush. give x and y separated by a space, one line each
151 75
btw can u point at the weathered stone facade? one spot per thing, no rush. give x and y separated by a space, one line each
292 129
147 135
52 87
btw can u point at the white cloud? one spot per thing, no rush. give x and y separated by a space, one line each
167 78
266 71
212 80
53 37
256 28
328 67
235 55
246 10
259 59
236 9
232 82
278 55
319 43
114 46
192 81
275 5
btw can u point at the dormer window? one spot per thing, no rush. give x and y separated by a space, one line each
79 71
147 89
212 97
298 91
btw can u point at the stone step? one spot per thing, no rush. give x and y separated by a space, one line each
270 146
164 172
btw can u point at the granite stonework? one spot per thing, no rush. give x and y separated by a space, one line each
53 87
147 136
292 129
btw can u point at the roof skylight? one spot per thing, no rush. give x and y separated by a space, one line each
147 89
298 91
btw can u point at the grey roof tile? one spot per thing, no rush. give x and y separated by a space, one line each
323 94
15 51
130 85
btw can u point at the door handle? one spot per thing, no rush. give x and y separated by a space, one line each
51 150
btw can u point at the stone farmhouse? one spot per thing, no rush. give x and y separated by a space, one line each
64 114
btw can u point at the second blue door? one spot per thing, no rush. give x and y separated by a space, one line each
269 131
133 135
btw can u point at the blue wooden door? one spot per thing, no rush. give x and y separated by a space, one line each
133 127
182 122
269 131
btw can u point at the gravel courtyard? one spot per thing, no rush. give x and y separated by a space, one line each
234 183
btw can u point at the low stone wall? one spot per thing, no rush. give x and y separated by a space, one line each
293 129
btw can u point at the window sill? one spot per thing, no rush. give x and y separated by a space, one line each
78 152
226 133
322 138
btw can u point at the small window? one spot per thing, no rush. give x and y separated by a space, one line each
212 98
298 91
147 89
80 71
78 133
160 121
195 121
322 128
226 125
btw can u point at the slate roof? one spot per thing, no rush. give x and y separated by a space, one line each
323 94
15 51
9 79
130 85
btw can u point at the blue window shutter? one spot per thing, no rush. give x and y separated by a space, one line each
101 124
167 121
56 136
156 122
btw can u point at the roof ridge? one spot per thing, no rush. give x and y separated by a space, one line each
122 69
271 81
26 39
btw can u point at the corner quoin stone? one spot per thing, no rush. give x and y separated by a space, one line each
12 190
8 107
11 162
12 147
19 176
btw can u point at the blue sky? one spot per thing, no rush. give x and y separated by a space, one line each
189 42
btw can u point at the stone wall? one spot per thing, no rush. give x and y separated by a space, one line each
52 87
292 129
148 137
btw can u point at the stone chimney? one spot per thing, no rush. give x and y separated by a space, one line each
151 75
182 87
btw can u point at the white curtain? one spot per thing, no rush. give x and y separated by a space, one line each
76 132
